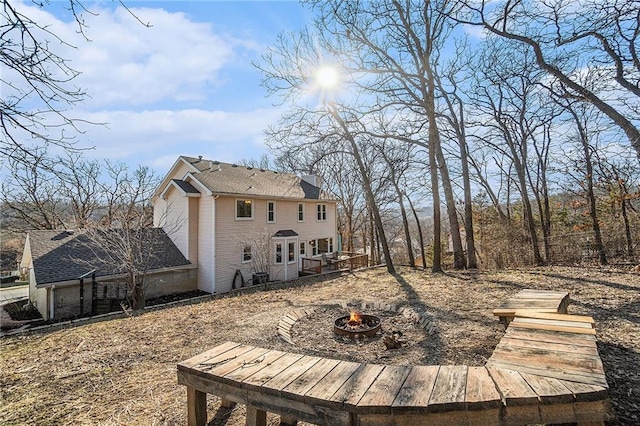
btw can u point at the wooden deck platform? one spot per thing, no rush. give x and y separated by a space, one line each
546 369
541 301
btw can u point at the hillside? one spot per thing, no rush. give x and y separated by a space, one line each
122 371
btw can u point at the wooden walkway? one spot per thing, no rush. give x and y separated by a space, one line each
545 369
534 301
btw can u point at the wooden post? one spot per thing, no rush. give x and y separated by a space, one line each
256 417
288 420
226 403
196 407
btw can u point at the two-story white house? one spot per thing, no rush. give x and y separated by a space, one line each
227 218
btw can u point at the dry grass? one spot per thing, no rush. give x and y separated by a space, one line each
122 371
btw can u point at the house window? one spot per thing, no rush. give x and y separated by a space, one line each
271 211
246 254
278 253
322 212
291 252
244 209
300 212
321 246
303 248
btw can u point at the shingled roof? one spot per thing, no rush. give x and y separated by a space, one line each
60 256
223 178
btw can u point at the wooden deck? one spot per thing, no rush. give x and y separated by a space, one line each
546 369
534 301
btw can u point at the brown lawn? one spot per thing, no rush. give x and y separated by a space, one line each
123 370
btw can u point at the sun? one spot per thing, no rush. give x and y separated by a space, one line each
327 77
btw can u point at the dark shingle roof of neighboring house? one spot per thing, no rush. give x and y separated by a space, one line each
223 178
66 255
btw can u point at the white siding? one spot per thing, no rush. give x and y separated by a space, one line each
172 214
232 234
205 244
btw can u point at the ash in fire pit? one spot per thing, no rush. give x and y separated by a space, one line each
357 325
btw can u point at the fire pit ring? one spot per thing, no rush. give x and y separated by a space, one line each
365 326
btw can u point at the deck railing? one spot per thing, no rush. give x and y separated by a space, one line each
311 266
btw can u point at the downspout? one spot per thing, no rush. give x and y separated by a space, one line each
213 245
52 302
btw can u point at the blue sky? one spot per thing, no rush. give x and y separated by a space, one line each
183 86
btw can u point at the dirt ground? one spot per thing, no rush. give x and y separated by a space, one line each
123 370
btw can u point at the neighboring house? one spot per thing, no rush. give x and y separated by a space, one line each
227 218
68 278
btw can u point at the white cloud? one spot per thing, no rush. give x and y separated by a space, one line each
156 138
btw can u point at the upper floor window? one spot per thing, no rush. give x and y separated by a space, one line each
271 211
244 209
300 212
322 212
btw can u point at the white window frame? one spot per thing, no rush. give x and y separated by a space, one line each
291 249
278 245
252 208
321 212
244 253
302 248
271 211
301 212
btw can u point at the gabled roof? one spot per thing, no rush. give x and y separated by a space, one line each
231 179
60 256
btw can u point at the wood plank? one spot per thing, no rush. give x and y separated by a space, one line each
357 385
512 311
291 373
513 387
521 402
262 400
416 389
551 316
529 304
254 366
449 390
556 347
590 331
302 384
256 417
384 389
196 407
549 390
204 356
583 392
237 362
560 323
329 384
259 378
557 360
224 357
481 392
551 336
587 378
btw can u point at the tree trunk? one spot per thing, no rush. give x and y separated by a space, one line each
627 228
420 234
527 210
459 261
367 186
405 224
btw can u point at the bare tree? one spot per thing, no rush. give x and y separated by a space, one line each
31 196
567 37
38 83
126 242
